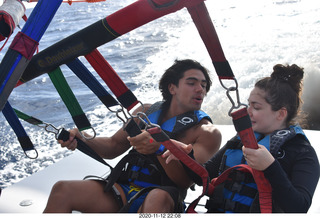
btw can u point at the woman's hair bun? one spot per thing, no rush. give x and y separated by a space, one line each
291 74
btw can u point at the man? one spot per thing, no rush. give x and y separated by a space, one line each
183 87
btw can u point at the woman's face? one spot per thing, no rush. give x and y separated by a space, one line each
264 119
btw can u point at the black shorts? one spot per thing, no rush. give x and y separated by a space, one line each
136 196
177 194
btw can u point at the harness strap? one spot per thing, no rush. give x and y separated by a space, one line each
69 99
160 136
14 63
108 74
117 170
202 20
21 134
30 119
61 135
83 147
243 126
88 78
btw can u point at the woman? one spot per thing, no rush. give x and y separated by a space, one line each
285 155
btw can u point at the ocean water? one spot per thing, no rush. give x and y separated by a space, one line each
255 35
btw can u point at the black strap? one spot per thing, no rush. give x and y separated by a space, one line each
83 147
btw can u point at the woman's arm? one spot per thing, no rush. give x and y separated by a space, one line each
294 178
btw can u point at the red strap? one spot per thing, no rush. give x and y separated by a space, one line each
144 11
242 123
25 18
202 20
114 82
244 129
5 42
160 136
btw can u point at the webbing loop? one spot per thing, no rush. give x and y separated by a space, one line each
21 134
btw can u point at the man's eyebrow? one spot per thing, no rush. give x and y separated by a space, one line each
196 79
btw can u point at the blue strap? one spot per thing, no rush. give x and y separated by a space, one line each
14 63
88 78
40 18
14 122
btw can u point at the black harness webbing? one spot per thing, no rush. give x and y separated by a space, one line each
83 147
61 134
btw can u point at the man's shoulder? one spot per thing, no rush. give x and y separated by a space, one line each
142 108
207 128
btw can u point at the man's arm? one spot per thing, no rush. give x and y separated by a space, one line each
207 143
106 147
204 137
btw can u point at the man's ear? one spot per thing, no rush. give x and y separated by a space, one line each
171 88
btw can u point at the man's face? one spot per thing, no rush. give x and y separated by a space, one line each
190 92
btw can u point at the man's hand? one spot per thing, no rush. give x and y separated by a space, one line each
169 156
71 143
144 143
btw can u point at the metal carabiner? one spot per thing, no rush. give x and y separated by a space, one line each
237 104
91 137
144 118
126 114
125 117
50 128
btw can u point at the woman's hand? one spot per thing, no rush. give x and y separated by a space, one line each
259 159
185 148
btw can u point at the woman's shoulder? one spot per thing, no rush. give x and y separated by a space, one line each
299 144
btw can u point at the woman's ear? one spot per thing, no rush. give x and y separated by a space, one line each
282 113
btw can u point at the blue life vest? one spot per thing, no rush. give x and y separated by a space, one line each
178 123
145 170
240 192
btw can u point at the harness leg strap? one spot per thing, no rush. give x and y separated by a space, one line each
117 195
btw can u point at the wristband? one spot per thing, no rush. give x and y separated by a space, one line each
161 150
